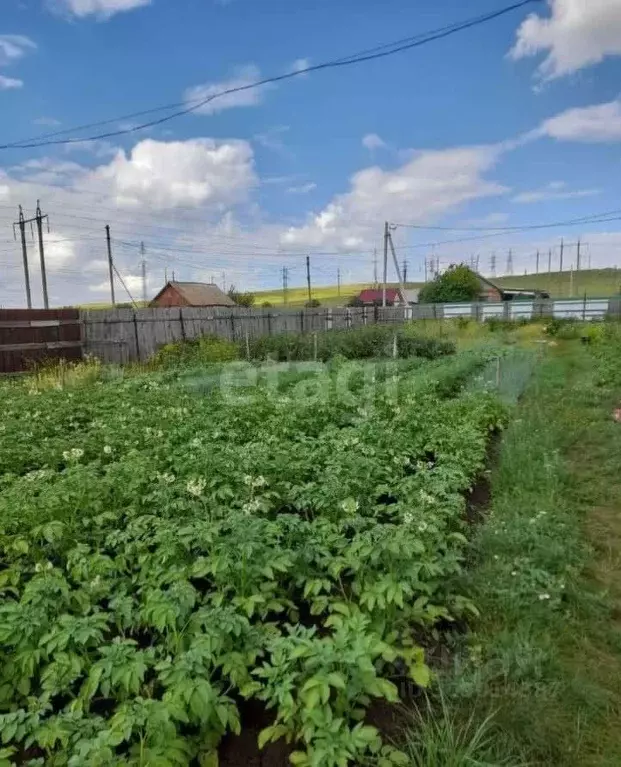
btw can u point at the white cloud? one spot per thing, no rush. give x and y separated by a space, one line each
9 83
162 175
242 77
299 65
553 191
372 141
102 9
14 47
99 149
598 123
577 33
272 139
302 188
420 191
489 220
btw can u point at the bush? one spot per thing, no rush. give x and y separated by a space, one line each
565 329
197 351
457 283
360 343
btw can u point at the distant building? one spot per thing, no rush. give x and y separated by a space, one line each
410 296
492 292
191 294
374 297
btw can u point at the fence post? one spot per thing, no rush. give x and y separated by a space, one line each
269 323
232 327
181 323
136 336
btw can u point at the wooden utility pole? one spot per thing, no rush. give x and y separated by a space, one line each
375 267
550 261
285 285
143 272
493 264
111 265
39 219
394 258
405 271
561 258
578 255
22 229
537 267
308 279
385 263
571 280
338 282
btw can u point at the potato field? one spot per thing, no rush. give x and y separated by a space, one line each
177 555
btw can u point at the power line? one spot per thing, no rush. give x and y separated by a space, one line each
383 51
525 227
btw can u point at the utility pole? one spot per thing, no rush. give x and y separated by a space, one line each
493 264
550 261
396 261
405 271
537 267
425 268
571 280
285 285
39 219
375 267
111 265
578 255
338 281
22 228
477 263
386 232
437 265
143 272
510 263
561 259
308 279
223 281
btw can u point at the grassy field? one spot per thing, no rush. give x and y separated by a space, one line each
595 282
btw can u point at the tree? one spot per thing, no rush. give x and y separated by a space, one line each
457 283
312 304
241 299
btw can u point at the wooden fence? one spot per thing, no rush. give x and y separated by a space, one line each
124 335
28 336
127 335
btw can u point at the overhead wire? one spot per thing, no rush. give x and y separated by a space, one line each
384 51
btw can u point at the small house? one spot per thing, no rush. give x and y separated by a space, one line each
191 294
375 297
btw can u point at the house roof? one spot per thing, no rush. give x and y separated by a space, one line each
199 293
373 295
489 282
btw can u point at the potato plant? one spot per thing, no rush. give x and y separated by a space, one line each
168 554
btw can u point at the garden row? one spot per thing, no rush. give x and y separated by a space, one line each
168 555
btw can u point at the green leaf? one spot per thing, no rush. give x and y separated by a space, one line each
421 674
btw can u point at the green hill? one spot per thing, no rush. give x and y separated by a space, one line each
595 282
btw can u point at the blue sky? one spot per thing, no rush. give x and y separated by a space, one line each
515 122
